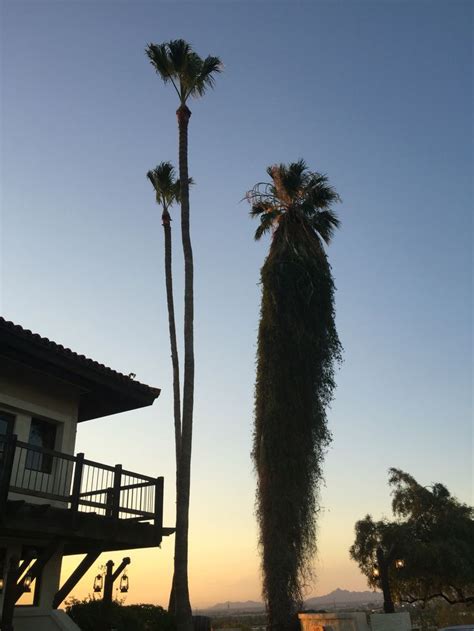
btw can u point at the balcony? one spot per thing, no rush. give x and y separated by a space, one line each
88 504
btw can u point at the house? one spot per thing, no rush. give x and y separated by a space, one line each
53 502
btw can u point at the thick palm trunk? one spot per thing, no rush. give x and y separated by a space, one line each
180 579
297 346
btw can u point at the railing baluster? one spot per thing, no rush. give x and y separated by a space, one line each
76 485
116 493
158 521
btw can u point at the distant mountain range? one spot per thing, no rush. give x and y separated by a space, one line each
343 597
338 597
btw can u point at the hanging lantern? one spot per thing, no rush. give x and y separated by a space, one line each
124 584
376 571
2 584
399 563
27 583
98 582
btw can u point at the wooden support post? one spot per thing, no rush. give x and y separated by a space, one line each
76 484
116 494
6 466
107 598
75 577
109 500
108 582
9 598
159 506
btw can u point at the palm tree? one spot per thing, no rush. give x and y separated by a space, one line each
167 189
191 76
298 348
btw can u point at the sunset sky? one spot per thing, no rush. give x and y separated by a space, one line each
375 94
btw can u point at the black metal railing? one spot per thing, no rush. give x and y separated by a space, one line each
79 484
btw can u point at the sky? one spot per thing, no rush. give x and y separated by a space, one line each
377 95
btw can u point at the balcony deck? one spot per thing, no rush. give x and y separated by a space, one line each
86 504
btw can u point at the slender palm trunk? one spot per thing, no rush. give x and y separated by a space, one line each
180 579
166 219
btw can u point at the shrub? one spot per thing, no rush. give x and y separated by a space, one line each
89 614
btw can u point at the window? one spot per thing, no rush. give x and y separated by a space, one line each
6 429
6 423
42 434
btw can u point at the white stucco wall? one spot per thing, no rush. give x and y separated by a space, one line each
36 619
28 394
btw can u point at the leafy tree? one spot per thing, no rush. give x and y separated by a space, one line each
190 75
426 553
298 348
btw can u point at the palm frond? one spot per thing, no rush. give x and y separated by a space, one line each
261 230
260 208
159 57
295 178
325 222
163 178
295 190
177 62
179 52
177 188
206 78
268 221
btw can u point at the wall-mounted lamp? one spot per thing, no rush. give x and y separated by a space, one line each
2 584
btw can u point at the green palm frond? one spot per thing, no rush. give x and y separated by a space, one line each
179 52
325 223
260 208
163 179
298 192
206 78
268 221
159 58
177 188
175 61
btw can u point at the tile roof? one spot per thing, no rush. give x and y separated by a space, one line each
67 353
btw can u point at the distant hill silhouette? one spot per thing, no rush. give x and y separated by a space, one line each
343 597
338 597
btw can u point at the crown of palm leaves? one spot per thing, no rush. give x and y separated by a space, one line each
176 62
167 186
294 189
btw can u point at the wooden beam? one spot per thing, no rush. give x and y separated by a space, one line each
38 565
75 577
120 568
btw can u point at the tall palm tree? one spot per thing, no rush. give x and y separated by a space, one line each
177 63
298 348
167 190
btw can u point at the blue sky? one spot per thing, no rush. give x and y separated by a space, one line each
375 94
